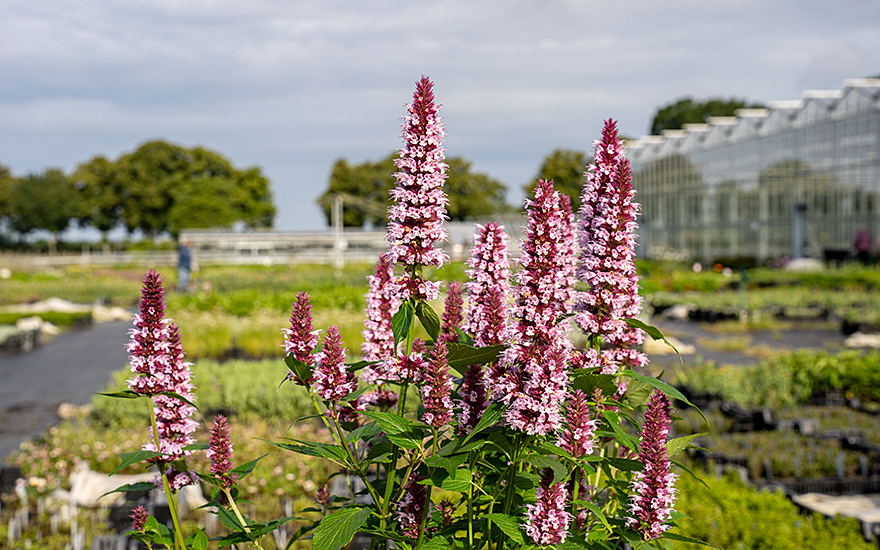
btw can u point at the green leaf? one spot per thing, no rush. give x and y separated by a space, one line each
391 423
490 416
429 318
331 452
682 538
508 525
459 481
363 432
625 464
560 472
619 435
197 447
302 371
665 388
677 445
450 464
526 480
596 510
198 541
588 382
405 441
653 332
129 487
437 543
228 519
133 458
245 469
127 394
337 530
401 322
180 398
461 356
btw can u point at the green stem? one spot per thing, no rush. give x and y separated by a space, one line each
511 482
239 516
470 503
172 504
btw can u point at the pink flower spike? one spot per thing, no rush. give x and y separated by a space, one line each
436 399
149 348
579 438
333 381
415 222
547 520
653 498
452 313
139 519
220 452
411 508
301 339
607 266
489 274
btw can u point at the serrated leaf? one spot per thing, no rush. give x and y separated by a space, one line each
133 458
405 441
337 530
401 323
625 464
597 511
391 423
677 445
198 541
331 452
228 519
665 388
526 480
363 432
560 472
459 481
437 543
450 464
197 447
490 416
620 435
354 367
429 318
130 487
508 525
301 370
245 469
461 356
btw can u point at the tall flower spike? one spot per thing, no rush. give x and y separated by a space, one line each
382 303
220 452
607 244
149 350
301 338
654 487
533 377
411 508
489 280
173 416
436 400
333 380
546 520
415 221
452 313
579 438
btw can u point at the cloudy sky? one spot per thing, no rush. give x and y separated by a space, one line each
293 85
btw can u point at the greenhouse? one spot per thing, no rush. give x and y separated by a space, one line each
799 178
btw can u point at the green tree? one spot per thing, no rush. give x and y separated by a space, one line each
472 194
690 111
151 178
99 187
371 181
7 181
201 203
43 201
566 168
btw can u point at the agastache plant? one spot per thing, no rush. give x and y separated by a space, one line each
527 435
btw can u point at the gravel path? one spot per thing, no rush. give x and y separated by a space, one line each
66 370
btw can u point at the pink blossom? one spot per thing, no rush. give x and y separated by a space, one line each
579 436
301 339
332 379
411 508
531 376
150 358
139 518
651 504
452 313
437 389
607 244
382 303
415 221
220 452
547 520
488 285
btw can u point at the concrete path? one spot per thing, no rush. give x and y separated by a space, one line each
65 370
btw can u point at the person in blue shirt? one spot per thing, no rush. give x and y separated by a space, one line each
184 265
